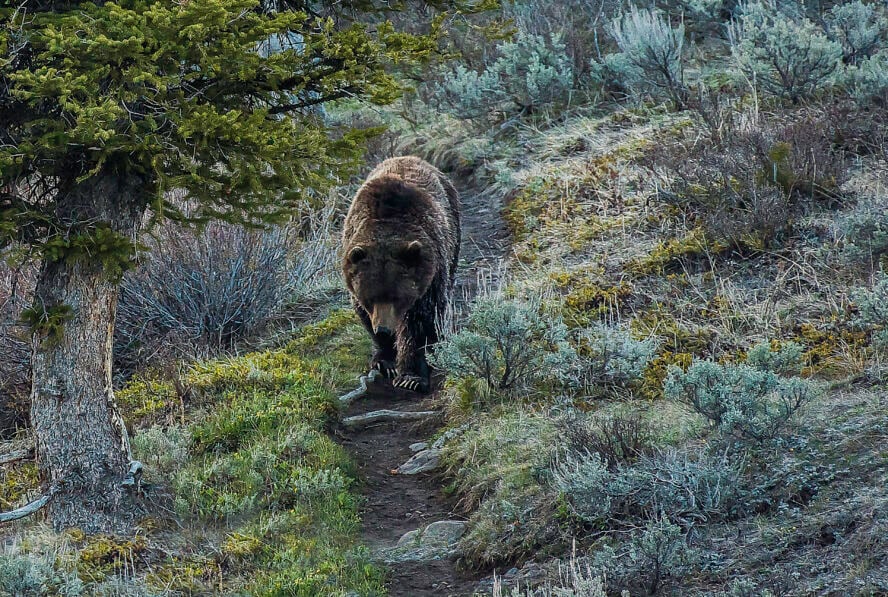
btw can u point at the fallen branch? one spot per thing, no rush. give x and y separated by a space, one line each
30 508
359 392
386 416
131 478
16 455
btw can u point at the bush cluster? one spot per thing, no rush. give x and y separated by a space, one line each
785 55
198 292
508 347
650 58
752 401
745 180
684 487
530 72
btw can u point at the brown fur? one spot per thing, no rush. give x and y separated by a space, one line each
400 250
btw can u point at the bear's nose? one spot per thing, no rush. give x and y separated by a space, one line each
381 329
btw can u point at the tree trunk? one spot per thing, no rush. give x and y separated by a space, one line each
82 444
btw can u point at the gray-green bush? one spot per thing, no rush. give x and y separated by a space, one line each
609 356
748 401
867 81
685 487
650 57
784 55
859 28
530 72
658 552
872 309
508 346
864 231
24 574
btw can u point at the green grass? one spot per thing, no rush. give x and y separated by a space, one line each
264 500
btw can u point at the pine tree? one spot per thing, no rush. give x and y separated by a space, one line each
105 107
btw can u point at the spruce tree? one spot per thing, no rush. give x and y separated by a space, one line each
105 108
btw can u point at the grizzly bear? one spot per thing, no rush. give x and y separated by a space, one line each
400 249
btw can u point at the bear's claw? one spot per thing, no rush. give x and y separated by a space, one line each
387 371
408 382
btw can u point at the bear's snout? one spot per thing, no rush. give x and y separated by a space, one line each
384 318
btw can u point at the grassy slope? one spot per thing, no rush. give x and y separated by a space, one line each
589 227
262 500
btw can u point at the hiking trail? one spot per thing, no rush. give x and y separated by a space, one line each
412 508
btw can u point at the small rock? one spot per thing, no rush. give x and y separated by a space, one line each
444 532
433 542
421 462
418 447
409 538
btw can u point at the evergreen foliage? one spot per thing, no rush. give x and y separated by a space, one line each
178 95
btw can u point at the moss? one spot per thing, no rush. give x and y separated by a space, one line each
656 371
338 348
675 336
826 350
190 575
586 301
668 255
101 555
524 208
17 482
147 398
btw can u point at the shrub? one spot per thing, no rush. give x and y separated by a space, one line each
207 290
786 360
859 28
868 80
616 439
744 181
576 22
789 57
864 232
25 574
609 356
745 400
684 487
507 346
650 58
529 73
872 309
659 552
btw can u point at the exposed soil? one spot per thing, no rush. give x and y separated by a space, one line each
396 504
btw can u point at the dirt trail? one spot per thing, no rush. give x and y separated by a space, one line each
397 504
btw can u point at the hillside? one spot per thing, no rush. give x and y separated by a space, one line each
664 374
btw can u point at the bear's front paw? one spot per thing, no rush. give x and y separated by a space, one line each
411 382
387 368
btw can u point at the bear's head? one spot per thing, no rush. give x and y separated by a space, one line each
387 276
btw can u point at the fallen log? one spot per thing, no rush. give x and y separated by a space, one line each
386 416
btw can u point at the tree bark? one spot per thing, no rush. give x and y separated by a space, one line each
82 443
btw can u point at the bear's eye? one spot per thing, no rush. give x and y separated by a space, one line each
356 254
411 253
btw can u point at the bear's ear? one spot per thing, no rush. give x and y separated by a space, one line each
357 254
411 252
